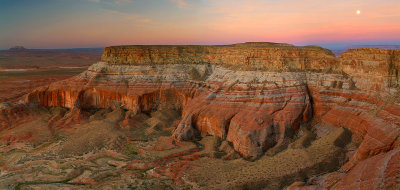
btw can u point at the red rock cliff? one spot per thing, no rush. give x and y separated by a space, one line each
253 95
267 56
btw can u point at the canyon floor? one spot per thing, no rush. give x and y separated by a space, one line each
113 149
242 116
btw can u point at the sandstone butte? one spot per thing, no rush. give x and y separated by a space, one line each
256 95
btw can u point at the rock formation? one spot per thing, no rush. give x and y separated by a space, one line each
255 96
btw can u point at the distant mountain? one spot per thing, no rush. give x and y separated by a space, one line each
17 48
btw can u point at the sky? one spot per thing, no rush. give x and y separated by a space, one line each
97 23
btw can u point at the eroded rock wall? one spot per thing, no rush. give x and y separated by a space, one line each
253 95
266 56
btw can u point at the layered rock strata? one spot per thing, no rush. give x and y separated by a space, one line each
254 95
266 56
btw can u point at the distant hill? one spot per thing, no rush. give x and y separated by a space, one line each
17 48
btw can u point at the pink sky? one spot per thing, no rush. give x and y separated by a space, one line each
88 23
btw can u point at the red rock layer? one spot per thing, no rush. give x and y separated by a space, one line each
253 124
207 109
254 110
254 55
378 136
379 172
372 69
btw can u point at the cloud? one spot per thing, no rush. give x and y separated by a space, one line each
180 3
128 16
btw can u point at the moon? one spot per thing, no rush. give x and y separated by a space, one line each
358 12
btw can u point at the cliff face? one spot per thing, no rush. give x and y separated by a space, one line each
376 69
255 96
380 64
265 56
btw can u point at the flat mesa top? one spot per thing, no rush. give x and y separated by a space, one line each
240 45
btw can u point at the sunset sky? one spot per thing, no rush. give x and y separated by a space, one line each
98 23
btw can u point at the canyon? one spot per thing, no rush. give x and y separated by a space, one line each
255 115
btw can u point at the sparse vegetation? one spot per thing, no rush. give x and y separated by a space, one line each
323 155
130 150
